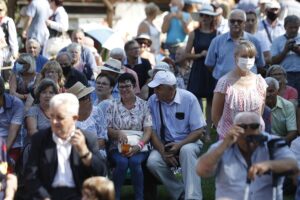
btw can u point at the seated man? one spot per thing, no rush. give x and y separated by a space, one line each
62 157
283 114
178 126
245 147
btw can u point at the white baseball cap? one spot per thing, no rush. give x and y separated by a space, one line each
163 78
159 66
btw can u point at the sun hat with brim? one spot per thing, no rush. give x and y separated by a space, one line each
264 1
273 4
160 66
113 65
80 90
206 9
144 36
163 78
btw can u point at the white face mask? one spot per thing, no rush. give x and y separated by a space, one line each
245 64
173 9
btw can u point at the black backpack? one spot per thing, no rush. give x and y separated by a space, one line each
4 27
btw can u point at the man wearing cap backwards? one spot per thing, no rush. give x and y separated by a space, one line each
176 137
271 26
220 58
244 153
62 157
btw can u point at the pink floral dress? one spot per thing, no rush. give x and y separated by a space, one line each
239 100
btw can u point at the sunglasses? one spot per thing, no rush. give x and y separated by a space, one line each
252 126
204 15
84 98
258 139
233 21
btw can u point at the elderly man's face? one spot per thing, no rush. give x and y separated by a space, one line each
62 122
78 38
165 93
251 126
236 23
33 48
271 97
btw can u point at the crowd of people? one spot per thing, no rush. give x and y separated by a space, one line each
69 123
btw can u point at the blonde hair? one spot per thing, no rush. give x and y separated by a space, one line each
246 45
3 4
101 187
151 9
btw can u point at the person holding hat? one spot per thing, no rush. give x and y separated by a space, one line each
201 83
271 26
90 118
178 125
145 43
147 27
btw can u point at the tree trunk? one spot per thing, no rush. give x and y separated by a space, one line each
11 8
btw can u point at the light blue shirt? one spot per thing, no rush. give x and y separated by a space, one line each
291 62
175 33
232 170
220 54
12 113
177 129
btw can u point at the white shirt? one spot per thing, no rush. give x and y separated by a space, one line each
64 176
61 22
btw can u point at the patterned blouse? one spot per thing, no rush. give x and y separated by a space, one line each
120 118
239 100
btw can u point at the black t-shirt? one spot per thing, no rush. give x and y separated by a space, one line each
74 76
142 71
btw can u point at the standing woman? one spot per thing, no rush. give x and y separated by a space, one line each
9 28
201 83
147 26
240 90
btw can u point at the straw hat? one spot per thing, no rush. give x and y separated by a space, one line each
144 36
80 90
113 65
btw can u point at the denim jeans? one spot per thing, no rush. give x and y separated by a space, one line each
134 163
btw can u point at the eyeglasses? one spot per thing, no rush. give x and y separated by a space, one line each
277 74
204 15
252 126
233 21
124 86
86 97
102 83
251 20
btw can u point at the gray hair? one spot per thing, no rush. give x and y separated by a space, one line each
276 67
34 41
65 54
29 59
74 46
68 100
238 11
242 115
117 52
272 81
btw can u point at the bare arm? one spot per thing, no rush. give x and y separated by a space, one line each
12 135
143 28
13 87
166 22
217 107
11 186
291 135
26 26
277 59
31 125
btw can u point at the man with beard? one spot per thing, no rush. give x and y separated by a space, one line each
271 26
71 75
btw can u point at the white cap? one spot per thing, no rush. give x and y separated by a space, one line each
159 66
273 4
163 78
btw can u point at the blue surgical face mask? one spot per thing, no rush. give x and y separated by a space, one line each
173 9
19 67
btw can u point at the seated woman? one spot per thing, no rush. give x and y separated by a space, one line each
91 119
104 86
53 71
75 50
285 91
239 90
38 116
24 79
127 115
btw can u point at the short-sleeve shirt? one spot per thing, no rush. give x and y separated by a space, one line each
291 61
42 120
232 171
11 113
182 116
39 10
283 117
239 100
220 54
121 118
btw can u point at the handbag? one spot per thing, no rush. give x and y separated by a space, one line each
134 138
